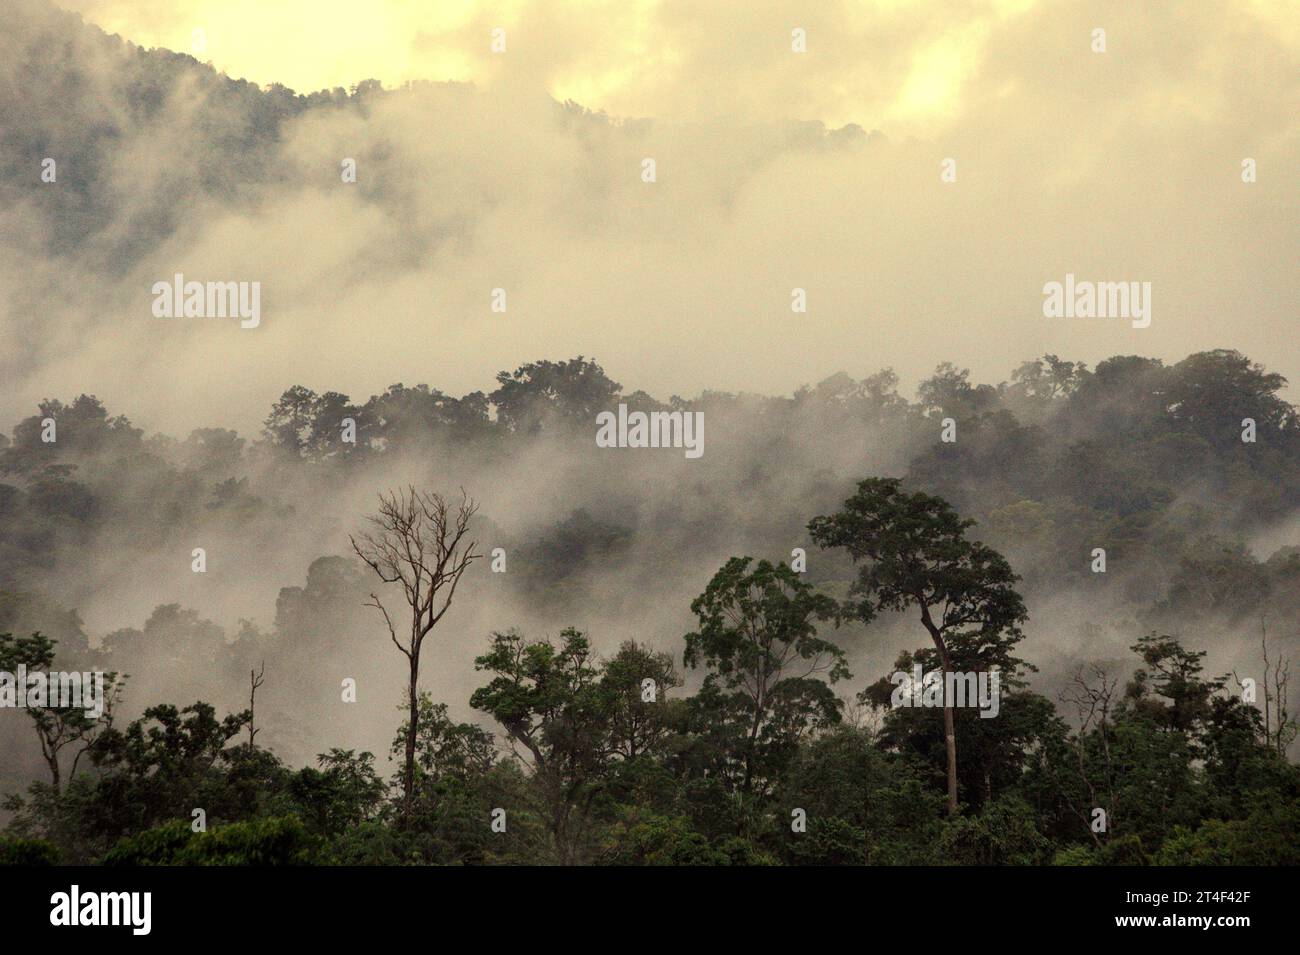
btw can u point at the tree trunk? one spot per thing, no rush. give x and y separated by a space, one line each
53 762
412 728
949 715
950 737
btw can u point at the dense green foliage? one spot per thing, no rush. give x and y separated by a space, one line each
611 776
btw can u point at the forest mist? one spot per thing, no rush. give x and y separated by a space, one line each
924 308
617 542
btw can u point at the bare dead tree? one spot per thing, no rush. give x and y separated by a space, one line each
1280 726
1287 726
417 541
1092 704
254 681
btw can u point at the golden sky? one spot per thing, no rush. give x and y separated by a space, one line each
1122 166
898 64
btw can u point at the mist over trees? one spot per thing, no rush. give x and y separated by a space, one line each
651 658
765 732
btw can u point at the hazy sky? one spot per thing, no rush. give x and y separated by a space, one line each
913 66
1115 166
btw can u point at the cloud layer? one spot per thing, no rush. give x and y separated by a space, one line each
1116 166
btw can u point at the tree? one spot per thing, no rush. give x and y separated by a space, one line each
165 764
1092 695
635 716
1171 673
1211 392
758 639
309 425
995 751
452 788
255 679
1280 726
916 555
446 749
83 427
549 700
410 418
1125 398
1046 379
418 543
344 792
58 727
572 392
949 391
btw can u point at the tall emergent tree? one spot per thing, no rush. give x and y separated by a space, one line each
914 553
418 542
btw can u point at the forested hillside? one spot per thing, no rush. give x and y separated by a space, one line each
1122 687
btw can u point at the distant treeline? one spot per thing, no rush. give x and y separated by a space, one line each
1142 459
